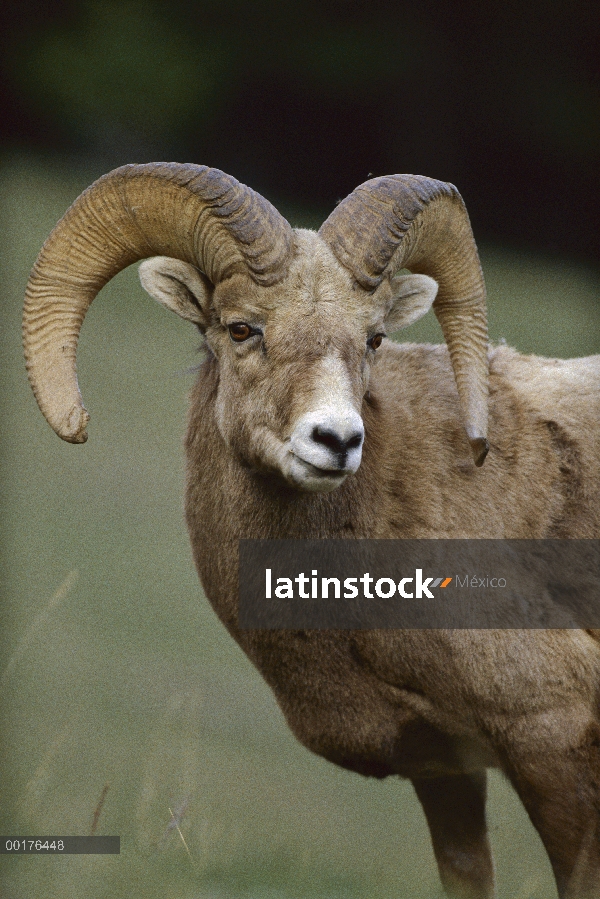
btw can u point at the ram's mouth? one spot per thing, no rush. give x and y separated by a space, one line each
339 473
309 477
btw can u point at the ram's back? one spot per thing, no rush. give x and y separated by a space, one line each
542 474
566 391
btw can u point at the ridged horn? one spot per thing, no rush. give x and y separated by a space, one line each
413 222
190 212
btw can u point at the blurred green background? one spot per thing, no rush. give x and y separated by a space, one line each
114 670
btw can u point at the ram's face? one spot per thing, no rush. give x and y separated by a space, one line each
294 359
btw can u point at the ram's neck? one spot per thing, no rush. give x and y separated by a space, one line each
227 502
416 480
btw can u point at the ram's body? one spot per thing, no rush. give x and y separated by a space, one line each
541 480
298 428
427 704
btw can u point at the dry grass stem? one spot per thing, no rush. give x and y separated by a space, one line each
57 597
98 809
175 823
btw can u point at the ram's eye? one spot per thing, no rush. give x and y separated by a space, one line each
375 342
240 331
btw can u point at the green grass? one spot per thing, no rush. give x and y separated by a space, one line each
126 678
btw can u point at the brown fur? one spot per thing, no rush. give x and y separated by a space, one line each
296 389
435 706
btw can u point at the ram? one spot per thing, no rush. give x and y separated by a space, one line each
306 422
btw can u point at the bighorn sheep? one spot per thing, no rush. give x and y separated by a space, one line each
297 387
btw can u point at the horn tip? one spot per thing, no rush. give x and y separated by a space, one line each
73 427
480 447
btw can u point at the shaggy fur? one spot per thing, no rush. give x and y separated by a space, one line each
306 423
435 706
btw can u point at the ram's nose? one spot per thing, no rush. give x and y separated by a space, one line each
337 441
327 446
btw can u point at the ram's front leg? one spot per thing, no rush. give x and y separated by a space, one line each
455 810
554 764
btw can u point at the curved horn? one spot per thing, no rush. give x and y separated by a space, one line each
408 221
190 212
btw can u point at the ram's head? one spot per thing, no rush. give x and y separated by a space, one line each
293 319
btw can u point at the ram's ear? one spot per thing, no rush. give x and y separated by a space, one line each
408 298
178 286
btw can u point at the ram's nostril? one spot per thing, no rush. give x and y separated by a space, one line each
334 442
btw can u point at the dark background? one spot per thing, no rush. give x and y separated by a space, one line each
304 100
